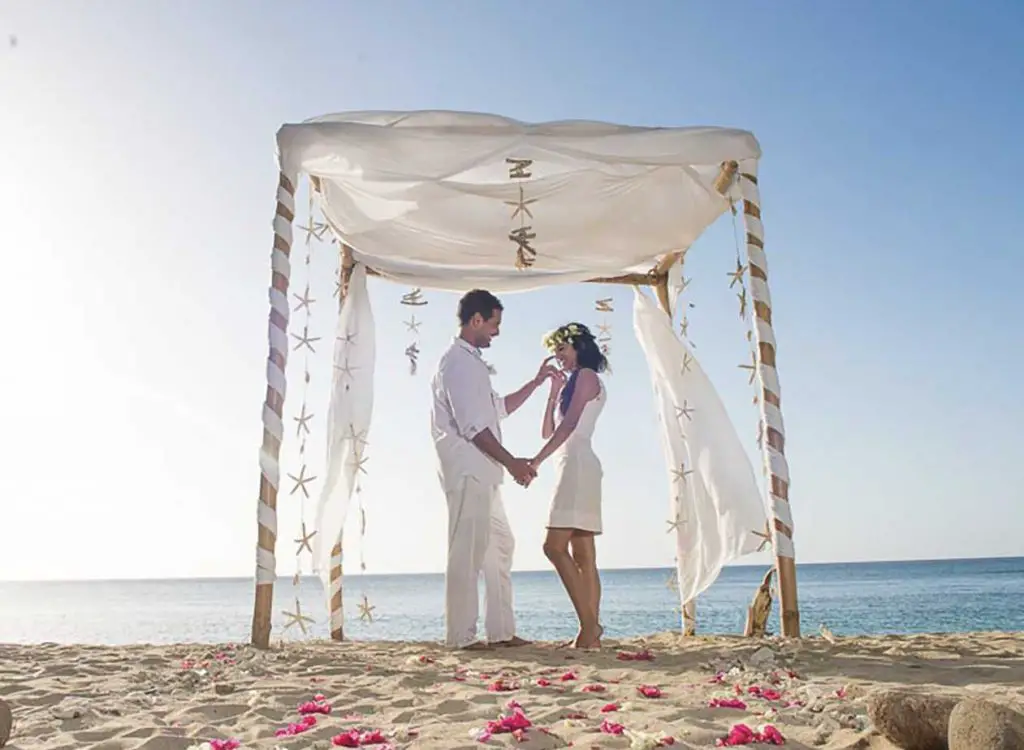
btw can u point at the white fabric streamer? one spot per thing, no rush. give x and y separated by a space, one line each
718 506
348 421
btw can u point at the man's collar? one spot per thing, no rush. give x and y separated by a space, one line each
468 346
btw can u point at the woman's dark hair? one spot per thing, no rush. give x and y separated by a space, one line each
588 355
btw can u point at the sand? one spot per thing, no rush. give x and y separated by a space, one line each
421 695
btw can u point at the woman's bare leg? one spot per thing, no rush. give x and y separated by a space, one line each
584 555
556 549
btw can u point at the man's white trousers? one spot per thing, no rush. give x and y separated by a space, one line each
479 541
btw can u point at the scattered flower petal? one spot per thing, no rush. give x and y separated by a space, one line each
649 691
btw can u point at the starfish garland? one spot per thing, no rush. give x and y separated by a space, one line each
413 325
358 459
752 367
359 438
366 610
302 422
297 618
687 361
675 523
684 411
522 206
742 297
681 473
303 540
736 277
301 481
305 340
764 536
304 300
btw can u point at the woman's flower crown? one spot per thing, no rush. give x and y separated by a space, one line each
563 335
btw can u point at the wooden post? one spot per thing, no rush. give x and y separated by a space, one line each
689 609
337 613
773 436
273 409
337 610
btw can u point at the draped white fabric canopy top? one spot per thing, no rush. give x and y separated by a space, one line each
431 198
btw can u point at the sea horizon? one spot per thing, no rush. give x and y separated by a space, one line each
286 577
863 598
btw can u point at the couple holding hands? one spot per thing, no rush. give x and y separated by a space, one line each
466 427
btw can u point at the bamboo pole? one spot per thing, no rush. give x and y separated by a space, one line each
337 610
273 409
773 441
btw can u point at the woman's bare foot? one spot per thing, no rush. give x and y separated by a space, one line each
589 638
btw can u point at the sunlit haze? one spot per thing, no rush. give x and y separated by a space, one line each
136 195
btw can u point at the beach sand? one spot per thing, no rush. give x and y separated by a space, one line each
420 695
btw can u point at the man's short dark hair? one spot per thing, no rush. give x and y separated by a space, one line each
478 301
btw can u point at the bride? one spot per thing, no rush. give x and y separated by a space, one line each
576 400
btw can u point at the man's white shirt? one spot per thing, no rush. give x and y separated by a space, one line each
465 405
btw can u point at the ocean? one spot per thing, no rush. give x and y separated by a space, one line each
851 599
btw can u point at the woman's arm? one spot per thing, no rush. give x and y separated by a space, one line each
587 388
547 422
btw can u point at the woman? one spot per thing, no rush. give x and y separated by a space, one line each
575 403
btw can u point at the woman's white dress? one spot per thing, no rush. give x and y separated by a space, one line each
577 500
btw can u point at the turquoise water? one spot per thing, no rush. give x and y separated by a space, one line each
863 598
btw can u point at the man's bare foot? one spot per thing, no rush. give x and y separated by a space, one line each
476 646
512 642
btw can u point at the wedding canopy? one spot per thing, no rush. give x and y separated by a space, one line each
457 201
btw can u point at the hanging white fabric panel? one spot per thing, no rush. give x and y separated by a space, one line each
433 199
348 421
715 505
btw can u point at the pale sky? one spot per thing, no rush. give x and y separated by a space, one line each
136 195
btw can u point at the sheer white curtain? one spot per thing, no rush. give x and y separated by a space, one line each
715 506
348 422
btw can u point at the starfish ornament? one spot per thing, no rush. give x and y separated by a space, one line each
736 277
297 618
684 325
741 295
687 361
303 540
681 473
305 340
302 422
675 523
304 300
366 610
347 338
345 369
603 329
684 411
301 481
359 438
764 536
522 205
413 325
358 459
752 367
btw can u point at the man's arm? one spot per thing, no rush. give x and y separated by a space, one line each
514 400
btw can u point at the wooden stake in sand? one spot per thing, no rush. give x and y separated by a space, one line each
273 409
774 443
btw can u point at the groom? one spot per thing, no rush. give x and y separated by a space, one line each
467 435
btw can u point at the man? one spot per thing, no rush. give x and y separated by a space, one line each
467 436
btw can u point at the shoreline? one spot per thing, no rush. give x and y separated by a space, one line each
634 693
